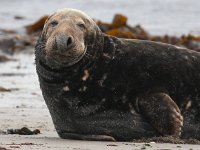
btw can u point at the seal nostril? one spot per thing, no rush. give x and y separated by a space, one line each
69 41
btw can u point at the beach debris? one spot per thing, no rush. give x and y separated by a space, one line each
4 58
23 131
2 133
146 145
18 145
28 143
16 42
7 45
14 146
3 148
112 145
18 17
2 89
13 43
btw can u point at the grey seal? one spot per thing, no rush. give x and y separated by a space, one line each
99 87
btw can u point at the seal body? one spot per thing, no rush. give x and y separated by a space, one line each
99 87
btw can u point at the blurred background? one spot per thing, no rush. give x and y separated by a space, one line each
173 17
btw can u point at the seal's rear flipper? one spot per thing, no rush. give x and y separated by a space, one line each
162 112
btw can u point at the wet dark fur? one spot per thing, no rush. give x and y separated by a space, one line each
103 87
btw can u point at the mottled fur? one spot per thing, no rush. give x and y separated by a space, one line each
96 97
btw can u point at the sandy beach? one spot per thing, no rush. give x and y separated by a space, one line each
48 139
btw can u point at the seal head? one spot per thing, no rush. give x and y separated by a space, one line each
67 36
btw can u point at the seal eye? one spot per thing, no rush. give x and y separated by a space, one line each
81 25
54 23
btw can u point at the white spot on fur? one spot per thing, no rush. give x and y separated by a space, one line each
84 88
66 88
132 110
104 77
85 75
103 100
137 104
188 105
194 57
186 57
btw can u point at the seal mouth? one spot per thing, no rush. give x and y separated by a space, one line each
63 60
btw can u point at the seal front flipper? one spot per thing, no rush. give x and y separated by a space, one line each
162 112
